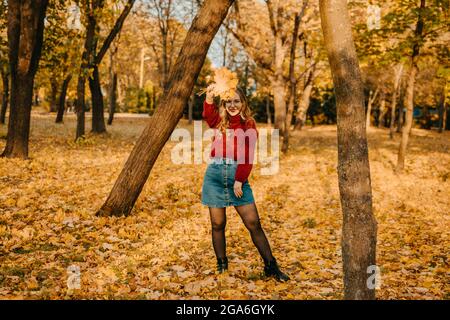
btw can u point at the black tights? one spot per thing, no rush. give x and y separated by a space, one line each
250 217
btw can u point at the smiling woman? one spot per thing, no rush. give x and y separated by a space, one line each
226 179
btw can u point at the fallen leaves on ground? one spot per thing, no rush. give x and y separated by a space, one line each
163 250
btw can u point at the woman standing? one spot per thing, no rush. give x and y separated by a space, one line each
225 183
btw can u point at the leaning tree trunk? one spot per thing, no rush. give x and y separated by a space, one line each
191 108
5 96
359 233
25 36
62 99
160 126
410 91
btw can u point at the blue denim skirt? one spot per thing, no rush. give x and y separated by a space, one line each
218 185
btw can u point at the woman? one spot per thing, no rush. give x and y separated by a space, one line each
226 178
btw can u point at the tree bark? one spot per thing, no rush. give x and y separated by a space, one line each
441 111
5 96
372 97
400 110
62 99
160 126
410 91
293 81
112 99
303 106
190 108
269 115
381 110
359 234
98 117
25 37
86 61
53 95
398 76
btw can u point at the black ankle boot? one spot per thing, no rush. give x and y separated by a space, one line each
222 264
271 269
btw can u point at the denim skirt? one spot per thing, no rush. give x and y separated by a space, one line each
218 185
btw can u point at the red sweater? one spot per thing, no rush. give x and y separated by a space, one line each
244 167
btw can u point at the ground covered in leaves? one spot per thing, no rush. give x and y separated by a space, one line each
163 249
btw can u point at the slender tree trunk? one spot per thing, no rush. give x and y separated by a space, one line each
303 105
160 126
191 108
400 110
372 97
410 92
279 87
5 96
359 235
112 99
398 76
269 115
54 95
98 118
408 119
441 111
62 99
86 61
25 37
293 84
382 110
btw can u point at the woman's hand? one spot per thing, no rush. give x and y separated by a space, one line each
238 189
209 95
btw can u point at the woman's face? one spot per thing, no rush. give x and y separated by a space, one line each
234 105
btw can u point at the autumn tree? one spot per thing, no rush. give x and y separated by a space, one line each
181 81
25 37
91 59
359 234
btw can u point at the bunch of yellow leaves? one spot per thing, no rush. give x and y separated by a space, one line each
224 85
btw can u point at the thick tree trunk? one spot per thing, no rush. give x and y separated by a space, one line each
5 96
398 76
112 99
25 36
62 99
181 82
359 233
410 91
98 118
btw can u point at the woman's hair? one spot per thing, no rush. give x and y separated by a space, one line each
246 113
